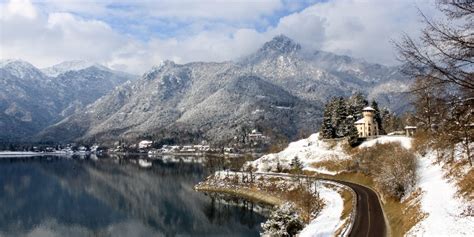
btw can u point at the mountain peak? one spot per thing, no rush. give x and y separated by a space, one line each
73 65
18 62
20 68
282 44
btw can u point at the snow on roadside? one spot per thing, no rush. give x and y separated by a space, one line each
404 141
329 219
439 201
308 151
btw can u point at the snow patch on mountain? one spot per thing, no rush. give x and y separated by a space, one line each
21 69
74 65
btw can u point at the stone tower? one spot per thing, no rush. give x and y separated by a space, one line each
367 126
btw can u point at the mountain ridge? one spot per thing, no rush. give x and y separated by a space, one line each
215 101
31 100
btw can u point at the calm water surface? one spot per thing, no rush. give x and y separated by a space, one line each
51 196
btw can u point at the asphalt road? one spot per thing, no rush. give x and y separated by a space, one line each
369 219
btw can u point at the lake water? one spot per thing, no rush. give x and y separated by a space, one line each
52 196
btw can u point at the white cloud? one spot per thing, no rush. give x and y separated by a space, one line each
22 8
181 10
360 28
55 31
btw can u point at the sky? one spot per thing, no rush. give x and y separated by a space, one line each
135 35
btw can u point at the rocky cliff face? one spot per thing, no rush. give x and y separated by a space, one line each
279 89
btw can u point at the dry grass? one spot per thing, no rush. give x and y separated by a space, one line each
466 186
421 142
250 194
463 174
347 198
332 165
402 216
305 202
331 143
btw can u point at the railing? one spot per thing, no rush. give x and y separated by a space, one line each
353 214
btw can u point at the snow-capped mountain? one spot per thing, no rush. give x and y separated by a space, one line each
280 89
68 66
30 100
21 69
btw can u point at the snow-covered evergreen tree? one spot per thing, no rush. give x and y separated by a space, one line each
327 129
341 117
296 164
283 222
378 116
341 113
356 103
353 134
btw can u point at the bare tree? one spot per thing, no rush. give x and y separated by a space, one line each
429 102
460 127
442 61
444 53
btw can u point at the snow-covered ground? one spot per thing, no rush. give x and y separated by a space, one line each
446 213
308 151
20 154
8 154
329 219
403 140
439 201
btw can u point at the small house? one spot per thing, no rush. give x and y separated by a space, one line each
410 131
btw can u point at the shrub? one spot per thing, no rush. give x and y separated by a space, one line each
296 165
283 222
392 167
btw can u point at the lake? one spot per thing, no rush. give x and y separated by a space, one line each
111 196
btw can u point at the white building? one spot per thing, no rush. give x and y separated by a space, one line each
256 136
367 126
144 144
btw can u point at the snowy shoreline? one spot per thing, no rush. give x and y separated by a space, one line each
20 154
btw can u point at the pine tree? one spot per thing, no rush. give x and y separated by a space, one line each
353 135
327 130
377 116
296 165
340 117
356 103
283 222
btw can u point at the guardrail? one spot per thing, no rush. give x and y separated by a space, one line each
348 229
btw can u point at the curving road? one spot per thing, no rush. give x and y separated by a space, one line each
369 219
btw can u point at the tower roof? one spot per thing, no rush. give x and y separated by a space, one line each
368 108
360 121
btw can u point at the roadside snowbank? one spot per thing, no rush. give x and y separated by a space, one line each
439 201
329 219
404 141
308 151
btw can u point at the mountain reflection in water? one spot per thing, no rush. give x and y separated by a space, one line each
51 196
